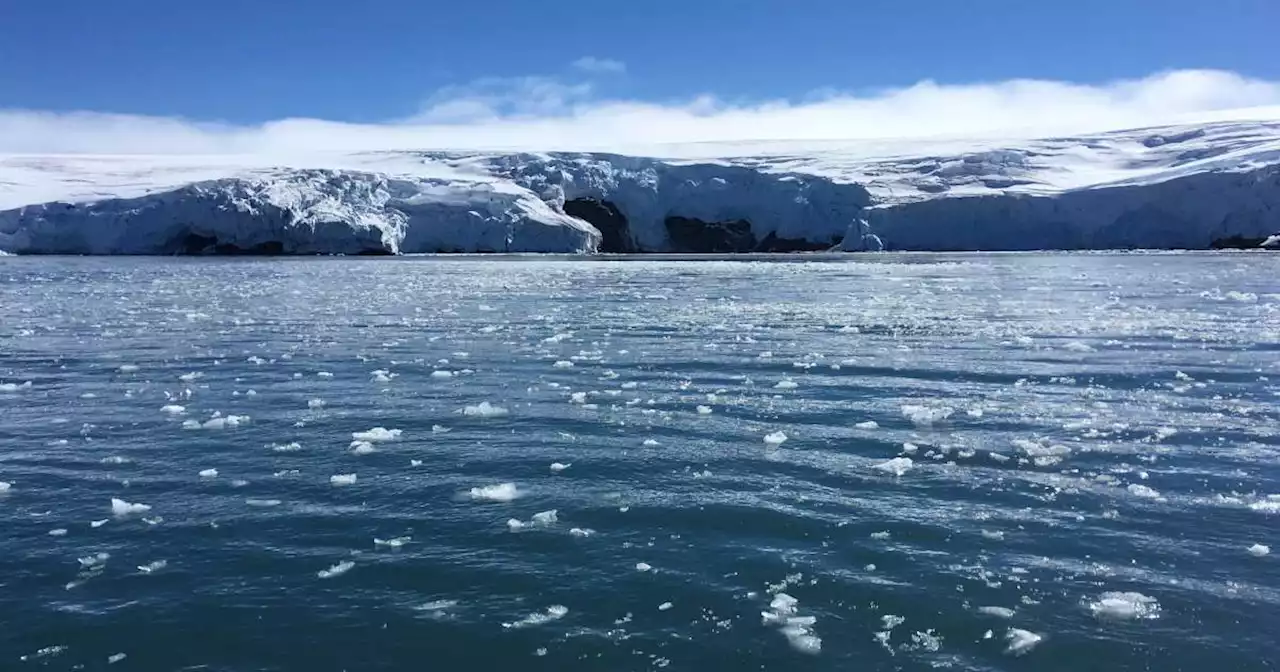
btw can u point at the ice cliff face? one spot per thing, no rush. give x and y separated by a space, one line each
1183 187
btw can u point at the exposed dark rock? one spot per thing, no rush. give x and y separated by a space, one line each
605 216
772 243
692 235
1238 242
194 244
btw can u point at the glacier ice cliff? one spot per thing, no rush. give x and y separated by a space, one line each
1200 186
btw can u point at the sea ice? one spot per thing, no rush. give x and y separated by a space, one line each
1021 641
868 424
342 479
120 507
775 438
173 409
896 466
557 467
336 570
554 612
926 416
998 612
1259 550
377 434
1125 606
501 492
208 473
484 410
152 567
362 448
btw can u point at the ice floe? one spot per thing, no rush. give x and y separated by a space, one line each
775 438
336 570
1125 606
554 612
896 466
1021 641
342 479
208 473
120 507
377 434
557 467
484 410
797 629
500 492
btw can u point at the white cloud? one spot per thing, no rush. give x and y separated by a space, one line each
602 66
544 113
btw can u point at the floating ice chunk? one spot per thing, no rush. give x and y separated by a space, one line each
1259 550
897 466
262 503
665 606
1126 606
651 443
501 492
786 384
59 532
998 612
1021 641
998 457
217 422
395 542
342 479
315 403
120 507
153 567
925 416
1077 346
1143 491
382 376
291 447
441 374
643 567
46 652
362 448
891 621
440 429
546 517
324 374
868 424
797 629
128 368
910 448
563 364
208 473
98 523
880 535
997 535
557 467
415 463
554 612
10 388
578 398
515 524
189 377
484 410
581 531
377 434
115 658
775 438
5 486
1242 297
336 570
704 410
173 409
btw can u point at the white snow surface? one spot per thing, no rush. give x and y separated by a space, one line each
1179 186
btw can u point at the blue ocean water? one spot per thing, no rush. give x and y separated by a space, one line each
969 462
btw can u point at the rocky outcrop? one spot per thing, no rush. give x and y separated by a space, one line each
614 231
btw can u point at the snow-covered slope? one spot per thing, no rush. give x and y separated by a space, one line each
1184 186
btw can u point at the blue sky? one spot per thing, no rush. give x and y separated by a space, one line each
251 61
237 76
